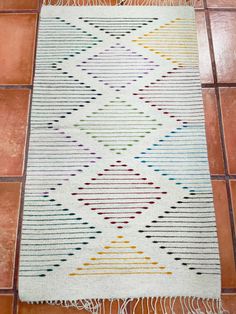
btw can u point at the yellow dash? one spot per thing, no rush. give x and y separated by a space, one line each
127 273
139 252
115 268
121 263
120 237
119 258
120 247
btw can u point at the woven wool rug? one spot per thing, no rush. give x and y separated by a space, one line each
118 199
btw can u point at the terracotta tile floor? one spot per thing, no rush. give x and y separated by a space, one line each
216 24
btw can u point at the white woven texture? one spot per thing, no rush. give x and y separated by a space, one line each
118 200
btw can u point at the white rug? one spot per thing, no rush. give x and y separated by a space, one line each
118 200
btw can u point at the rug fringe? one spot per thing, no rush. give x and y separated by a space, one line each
151 305
121 2
158 2
77 2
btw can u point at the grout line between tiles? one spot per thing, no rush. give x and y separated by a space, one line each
6 291
226 84
16 87
228 290
222 9
220 119
223 177
11 179
212 85
17 253
19 11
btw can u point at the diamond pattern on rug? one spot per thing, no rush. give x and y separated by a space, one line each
64 39
120 257
174 41
118 125
119 194
117 66
51 235
54 157
57 156
174 155
64 93
187 231
119 26
169 93
148 200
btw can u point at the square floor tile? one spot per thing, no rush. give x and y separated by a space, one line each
9 209
17 33
229 303
228 272
223 25
14 107
203 48
214 147
228 107
221 3
233 198
6 303
19 4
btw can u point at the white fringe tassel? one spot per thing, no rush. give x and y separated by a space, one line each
121 2
158 2
152 305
